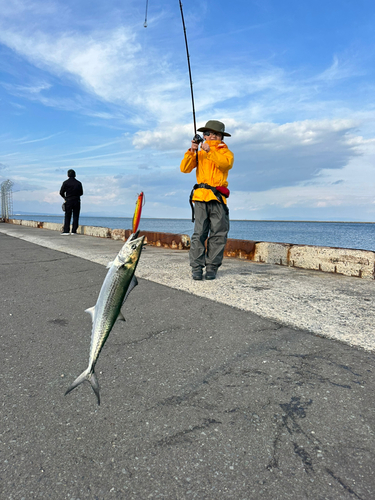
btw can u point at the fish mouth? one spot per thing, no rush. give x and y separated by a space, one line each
134 236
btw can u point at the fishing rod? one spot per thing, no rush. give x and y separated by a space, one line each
197 138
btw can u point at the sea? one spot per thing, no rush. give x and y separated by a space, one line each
358 235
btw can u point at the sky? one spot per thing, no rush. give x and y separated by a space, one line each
85 86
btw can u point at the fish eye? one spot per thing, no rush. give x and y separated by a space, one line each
134 247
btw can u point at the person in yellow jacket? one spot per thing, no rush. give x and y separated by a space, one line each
212 163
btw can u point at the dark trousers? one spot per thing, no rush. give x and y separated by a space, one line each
71 207
212 222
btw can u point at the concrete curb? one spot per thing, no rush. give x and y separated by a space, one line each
166 240
344 261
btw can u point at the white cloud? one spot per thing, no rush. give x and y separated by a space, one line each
269 154
27 89
41 139
114 66
107 64
285 136
338 70
166 135
92 58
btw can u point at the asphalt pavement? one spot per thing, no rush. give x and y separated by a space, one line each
200 399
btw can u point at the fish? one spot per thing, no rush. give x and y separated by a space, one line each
118 283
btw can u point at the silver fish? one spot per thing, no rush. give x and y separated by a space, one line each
119 281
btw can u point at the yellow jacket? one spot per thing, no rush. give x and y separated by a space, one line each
213 168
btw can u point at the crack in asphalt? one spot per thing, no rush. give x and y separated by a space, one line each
343 484
144 339
184 436
295 409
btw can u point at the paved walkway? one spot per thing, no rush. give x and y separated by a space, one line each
331 306
199 399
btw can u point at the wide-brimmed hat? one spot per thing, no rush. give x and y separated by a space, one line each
215 126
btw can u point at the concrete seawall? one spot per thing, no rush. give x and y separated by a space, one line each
344 261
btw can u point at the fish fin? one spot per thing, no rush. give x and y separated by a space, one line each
121 317
90 376
91 311
79 380
110 264
95 385
132 284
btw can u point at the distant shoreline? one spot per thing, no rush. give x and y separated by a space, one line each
173 218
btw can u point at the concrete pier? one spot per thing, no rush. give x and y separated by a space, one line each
345 261
328 304
205 393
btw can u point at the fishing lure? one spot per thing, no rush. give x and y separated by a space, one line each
138 210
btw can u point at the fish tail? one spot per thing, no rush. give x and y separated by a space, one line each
95 385
90 376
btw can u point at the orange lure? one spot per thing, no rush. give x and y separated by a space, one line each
137 212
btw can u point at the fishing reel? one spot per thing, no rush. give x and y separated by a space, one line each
198 139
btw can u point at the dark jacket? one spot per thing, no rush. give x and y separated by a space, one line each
71 189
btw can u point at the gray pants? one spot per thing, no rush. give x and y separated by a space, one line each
212 221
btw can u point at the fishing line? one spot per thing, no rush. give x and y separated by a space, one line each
145 23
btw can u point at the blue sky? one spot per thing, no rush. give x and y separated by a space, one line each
84 85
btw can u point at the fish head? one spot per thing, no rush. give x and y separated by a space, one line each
129 254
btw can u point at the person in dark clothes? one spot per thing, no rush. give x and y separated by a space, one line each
71 190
